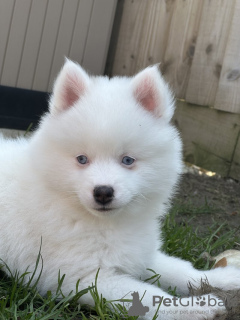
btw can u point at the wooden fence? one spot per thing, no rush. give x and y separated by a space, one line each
197 43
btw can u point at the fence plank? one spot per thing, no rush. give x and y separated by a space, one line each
181 45
211 43
47 46
6 13
16 42
143 35
81 30
228 94
32 44
99 35
64 38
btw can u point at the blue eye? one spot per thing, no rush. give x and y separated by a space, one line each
127 160
82 159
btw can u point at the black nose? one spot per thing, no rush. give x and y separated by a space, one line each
103 194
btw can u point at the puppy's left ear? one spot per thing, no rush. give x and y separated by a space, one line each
152 93
71 84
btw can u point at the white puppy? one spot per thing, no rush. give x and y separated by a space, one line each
92 182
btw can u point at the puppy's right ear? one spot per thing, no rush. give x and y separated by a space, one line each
70 85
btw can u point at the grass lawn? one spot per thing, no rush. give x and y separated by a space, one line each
18 302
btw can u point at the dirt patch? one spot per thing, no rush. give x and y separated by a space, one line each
216 200
222 196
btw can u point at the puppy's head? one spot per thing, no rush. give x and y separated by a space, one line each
107 143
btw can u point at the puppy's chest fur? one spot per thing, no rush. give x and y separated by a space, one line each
105 245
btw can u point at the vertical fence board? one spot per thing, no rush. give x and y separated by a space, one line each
228 93
32 44
81 30
16 42
209 53
181 45
6 12
64 38
99 35
47 47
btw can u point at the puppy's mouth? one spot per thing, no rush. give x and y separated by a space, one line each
103 209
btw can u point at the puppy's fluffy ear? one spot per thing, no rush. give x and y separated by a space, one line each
70 85
152 93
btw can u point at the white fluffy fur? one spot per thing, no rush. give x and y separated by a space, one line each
46 194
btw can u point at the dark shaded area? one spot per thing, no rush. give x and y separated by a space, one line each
19 108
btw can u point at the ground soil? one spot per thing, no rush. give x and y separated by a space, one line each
223 198
220 194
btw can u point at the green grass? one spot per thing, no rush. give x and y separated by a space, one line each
186 242
23 302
